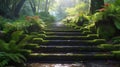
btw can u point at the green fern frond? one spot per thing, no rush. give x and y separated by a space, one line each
16 35
3 46
23 42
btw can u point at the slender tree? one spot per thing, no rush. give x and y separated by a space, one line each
18 8
33 5
46 6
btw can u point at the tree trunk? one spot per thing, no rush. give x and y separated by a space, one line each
46 6
33 6
18 8
39 5
95 5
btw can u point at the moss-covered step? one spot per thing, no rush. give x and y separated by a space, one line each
38 36
39 57
68 42
116 54
60 28
35 33
68 49
65 33
31 46
114 47
50 30
88 32
88 37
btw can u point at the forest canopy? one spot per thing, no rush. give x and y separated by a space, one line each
48 10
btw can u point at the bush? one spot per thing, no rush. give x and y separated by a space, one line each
11 51
106 31
82 20
36 24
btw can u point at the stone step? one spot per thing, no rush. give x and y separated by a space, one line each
65 33
38 57
51 30
88 37
68 49
68 42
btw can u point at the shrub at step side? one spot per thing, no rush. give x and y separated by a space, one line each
36 24
13 51
106 31
10 52
9 58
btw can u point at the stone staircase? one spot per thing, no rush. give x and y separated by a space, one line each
60 45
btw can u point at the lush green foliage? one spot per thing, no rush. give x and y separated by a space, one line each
46 17
25 24
11 51
108 15
80 8
36 24
5 58
13 41
116 40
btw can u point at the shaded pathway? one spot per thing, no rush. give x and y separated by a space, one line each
62 44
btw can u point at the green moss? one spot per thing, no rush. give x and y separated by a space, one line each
31 46
37 40
87 32
26 52
98 41
33 33
77 27
116 53
45 41
40 39
95 36
49 32
109 46
103 56
41 35
106 46
44 54
42 32
92 28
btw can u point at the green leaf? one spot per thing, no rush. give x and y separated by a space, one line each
3 46
16 35
117 24
23 42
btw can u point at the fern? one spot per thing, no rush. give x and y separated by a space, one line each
12 51
116 40
3 62
5 58
3 46
18 58
16 35
23 42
